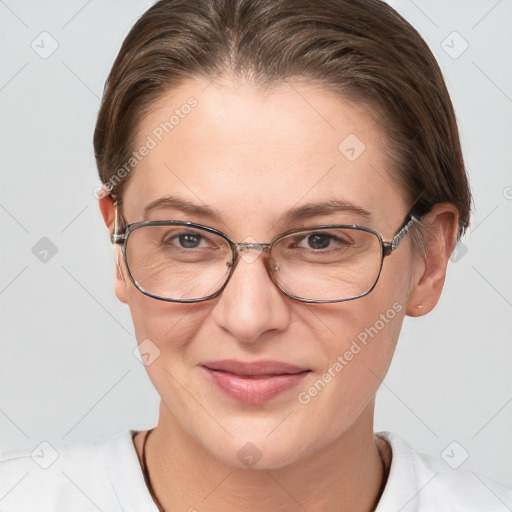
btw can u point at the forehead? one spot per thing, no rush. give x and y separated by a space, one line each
247 152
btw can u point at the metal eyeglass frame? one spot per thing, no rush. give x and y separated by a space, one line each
386 249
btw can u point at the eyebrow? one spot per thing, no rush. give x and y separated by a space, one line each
294 214
324 208
177 203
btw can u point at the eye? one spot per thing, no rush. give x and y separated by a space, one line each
189 240
319 241
186 240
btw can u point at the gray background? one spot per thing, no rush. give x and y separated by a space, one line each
67 368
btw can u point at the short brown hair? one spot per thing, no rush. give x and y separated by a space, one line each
361 49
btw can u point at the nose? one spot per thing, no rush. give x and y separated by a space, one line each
251 304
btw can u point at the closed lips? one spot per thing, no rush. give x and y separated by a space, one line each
254 383
257 369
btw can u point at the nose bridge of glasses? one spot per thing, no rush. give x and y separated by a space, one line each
243 251
247 246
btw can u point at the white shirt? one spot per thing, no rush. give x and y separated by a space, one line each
106 475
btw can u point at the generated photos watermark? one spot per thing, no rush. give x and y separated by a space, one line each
156 136
357 345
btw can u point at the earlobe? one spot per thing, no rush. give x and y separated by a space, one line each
440 239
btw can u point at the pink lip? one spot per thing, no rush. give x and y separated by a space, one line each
254 382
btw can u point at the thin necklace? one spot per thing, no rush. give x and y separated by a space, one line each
146 473
161 509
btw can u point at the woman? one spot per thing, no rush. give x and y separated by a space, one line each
284 184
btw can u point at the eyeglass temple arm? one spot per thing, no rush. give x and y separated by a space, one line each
117 238
389 247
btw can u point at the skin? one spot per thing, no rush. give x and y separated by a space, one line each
252 156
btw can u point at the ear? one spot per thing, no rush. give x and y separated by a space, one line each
440 240
108 211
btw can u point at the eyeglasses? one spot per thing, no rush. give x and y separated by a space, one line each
179 261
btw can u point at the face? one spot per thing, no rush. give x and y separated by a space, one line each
250 157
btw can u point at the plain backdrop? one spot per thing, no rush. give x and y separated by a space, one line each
67 367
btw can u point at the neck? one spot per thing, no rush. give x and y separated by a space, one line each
346 475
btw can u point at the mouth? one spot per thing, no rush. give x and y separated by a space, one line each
253 382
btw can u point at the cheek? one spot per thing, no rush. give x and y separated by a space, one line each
360 346
164 331
169 325
361 349
165 327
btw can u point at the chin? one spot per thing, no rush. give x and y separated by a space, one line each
259 455
260 446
